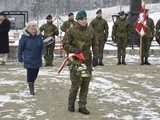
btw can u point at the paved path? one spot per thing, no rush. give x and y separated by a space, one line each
128 92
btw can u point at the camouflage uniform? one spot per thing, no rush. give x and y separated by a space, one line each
50 30
100 27
67 24
79 38
158 32
120 36
146 41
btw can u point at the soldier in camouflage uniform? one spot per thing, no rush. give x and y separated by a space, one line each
79 39
120 37
146 41
69 23
49 30
158 31
100 27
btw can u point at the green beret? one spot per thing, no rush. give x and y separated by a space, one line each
81 14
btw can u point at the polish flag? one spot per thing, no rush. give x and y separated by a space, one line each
140 25
79 56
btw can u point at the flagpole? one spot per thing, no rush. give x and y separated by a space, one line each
140 50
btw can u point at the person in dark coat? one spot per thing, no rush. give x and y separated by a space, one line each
30 53
4 38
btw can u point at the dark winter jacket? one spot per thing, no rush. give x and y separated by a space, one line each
4 38
30 50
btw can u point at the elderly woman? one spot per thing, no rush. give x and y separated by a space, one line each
30 53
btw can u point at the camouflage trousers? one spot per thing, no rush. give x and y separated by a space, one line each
121 52
49 54
98 51
77 82
146 43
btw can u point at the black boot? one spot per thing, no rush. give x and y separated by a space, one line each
101 63
71 104
124 63
123 60
146 62
142 61
71 108
119 61
31 88
84 110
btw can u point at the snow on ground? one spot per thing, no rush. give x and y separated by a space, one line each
116 92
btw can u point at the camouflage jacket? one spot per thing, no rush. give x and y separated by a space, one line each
150 29
79 38
67 24
100 27
49 29
120 30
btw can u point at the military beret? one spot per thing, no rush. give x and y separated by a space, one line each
49 17
70 14
81 14
99 11
121 13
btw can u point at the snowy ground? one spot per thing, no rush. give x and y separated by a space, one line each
116 92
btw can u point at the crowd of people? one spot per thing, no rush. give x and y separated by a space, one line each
79 38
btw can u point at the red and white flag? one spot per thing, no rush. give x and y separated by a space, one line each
79 56
140 25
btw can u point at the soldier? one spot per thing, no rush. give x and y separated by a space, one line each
79 39
69 23
120 36
158 31
146 40
100 27
49 30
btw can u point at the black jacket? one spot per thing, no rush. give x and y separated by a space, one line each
4 38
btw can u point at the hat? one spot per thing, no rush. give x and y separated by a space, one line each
70 14
81 14
99 11
49 17
2 14
121 13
